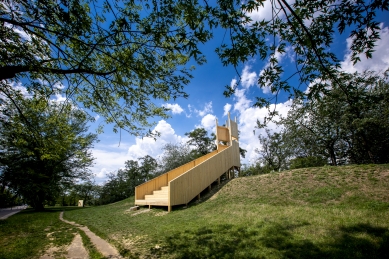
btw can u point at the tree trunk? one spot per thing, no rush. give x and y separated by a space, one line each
333 157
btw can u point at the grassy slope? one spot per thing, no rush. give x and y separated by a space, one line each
329 212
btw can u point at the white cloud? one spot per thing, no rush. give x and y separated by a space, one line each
279 56
24 35
266 12
208 122
109 159
379 61
242 102
59 98
247 121
207 109
19 87
248 78
233 83
249 134
175 108
227 109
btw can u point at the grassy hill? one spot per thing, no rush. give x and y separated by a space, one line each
328 212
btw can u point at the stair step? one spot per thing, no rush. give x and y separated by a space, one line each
152 202
163 188
159 192
156 197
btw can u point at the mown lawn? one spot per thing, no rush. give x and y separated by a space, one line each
328 212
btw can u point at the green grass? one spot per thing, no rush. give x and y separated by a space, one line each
328 212
28 233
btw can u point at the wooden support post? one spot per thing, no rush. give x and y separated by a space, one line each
149 207
169 208
218 181
209 188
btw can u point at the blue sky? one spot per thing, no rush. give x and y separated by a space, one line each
206 102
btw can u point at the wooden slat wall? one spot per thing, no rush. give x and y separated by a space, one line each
187 186
148 187
223 133
234 129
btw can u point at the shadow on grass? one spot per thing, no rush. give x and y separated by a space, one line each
50 210
270 240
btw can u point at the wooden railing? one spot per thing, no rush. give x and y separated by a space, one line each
187 186
148 187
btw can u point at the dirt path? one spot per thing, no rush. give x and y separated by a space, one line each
101 245
75 250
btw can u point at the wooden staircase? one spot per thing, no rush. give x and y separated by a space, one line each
181 185
158 198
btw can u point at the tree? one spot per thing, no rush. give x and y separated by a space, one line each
315 129
174 155
348 125
305 28
44 146
112 57
121 184
201 142
274 152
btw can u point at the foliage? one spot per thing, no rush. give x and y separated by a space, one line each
44 147
121 185
254 169
198 138
116 57
304 162
306 29
348 125
174 155
113 57
274 152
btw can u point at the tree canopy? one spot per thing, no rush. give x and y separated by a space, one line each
202 143
44 146
116 57
307 30
112 57
350 124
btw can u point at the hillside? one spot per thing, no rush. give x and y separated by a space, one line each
327 212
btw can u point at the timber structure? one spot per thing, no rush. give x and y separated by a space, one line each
182 184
